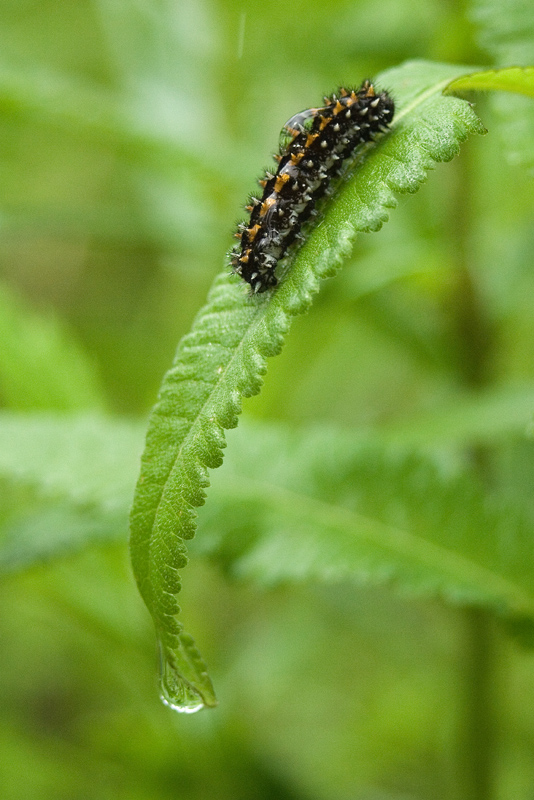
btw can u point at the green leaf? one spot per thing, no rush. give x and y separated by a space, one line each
323 506
66 483
52 531
223 358
506 30
87 459
512 79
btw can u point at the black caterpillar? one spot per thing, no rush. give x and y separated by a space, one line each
313 147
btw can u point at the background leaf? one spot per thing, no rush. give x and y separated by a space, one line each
506 31
327 507
67 484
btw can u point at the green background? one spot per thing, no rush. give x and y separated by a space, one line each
130 135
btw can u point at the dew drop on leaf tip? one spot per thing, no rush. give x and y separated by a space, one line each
174 692
181 708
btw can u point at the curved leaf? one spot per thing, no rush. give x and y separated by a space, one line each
506 30
223 358
519 80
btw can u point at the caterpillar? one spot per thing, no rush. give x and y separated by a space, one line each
315 145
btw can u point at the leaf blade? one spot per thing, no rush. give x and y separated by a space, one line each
519 80
329 507
223 358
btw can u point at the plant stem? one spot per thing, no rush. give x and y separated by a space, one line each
477 740
474 337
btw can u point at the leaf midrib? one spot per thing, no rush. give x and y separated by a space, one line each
403 541
186 442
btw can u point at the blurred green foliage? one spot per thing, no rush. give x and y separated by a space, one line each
130 135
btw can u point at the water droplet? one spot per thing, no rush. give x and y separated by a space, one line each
182 709
175 691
